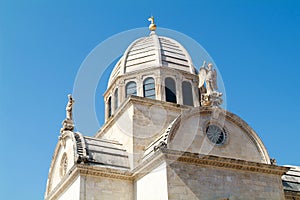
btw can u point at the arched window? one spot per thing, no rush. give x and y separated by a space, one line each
63 165
109 107
170 90
187 93
130 88
149 88
116 99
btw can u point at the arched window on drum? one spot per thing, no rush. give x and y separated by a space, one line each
187 93
170 89
130 88
109 107
149 88
116 99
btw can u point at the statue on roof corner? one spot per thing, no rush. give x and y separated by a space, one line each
208 86
69 114
68 124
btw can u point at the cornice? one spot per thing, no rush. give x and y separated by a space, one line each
170 156
103 172
293 195
160 156
222 162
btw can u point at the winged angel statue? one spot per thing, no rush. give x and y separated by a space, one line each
208 85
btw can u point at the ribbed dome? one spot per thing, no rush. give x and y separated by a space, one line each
153 51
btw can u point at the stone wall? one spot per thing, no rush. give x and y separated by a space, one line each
194 182
99 188
140 123
153 185
72 192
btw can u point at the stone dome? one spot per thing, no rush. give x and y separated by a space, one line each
153 51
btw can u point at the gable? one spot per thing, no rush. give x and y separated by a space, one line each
62 160
190 134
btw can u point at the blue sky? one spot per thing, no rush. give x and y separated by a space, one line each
255 45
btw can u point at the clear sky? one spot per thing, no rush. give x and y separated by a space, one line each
255 44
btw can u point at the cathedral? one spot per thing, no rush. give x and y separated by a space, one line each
165 136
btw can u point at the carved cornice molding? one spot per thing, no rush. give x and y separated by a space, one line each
103 172
160 156
222 162
170 156
293 195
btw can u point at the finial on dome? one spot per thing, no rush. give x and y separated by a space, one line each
152 26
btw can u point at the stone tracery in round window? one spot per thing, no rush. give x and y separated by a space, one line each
216 135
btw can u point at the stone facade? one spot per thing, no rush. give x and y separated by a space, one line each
96 188
165 137
189 181
153 185
170 174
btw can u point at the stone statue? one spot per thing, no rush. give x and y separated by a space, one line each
209 94
68 124
273 161
69 108
211 79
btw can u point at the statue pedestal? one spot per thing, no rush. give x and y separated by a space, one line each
68 125
212 99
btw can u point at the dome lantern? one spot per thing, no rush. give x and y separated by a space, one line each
155 67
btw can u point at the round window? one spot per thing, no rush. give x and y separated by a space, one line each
215 134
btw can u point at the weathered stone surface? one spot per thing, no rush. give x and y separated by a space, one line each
95 188
153 185
73 192
188 181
